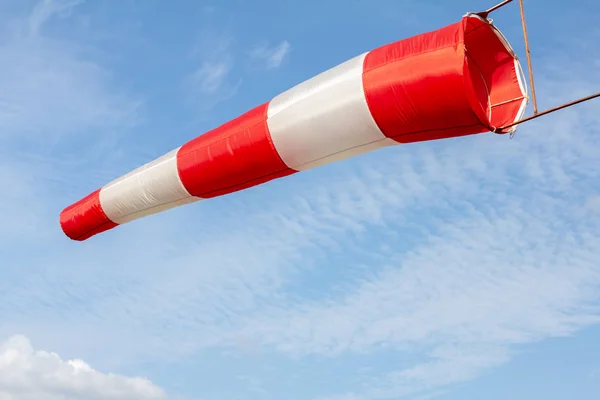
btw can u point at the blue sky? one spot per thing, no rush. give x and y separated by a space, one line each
463 268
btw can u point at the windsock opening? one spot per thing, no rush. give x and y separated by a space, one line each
494 77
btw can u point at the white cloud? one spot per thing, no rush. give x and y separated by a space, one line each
29 374
272 57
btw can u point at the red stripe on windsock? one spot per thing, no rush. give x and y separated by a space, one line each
85 218
415 88
235 156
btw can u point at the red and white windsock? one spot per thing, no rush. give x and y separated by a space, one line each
459 80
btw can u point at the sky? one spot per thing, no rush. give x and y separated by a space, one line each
458 269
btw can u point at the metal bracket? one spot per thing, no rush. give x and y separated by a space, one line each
536 113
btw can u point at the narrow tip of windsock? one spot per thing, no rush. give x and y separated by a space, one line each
85 218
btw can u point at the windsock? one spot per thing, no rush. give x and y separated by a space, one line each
461 79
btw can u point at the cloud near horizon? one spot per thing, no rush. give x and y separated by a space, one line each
29 374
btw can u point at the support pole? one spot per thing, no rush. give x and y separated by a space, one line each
528 53
494 8
548 111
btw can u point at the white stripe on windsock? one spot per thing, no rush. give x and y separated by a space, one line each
325 119
149 189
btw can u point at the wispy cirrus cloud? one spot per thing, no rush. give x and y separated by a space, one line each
213 80
210 76
217 78
272 57
481 285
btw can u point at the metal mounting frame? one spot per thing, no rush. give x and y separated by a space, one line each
536 113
